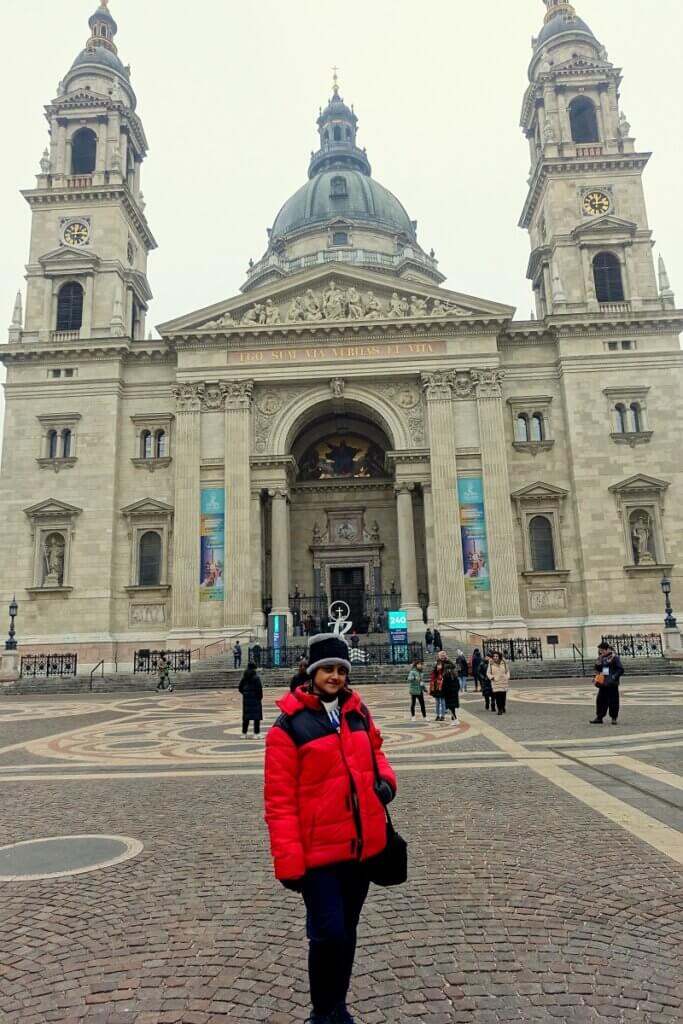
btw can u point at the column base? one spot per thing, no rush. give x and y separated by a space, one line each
673 644
9 667
416 623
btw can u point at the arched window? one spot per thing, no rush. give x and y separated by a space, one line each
70 307
338 186
83 152
52 444
542 546
620 418
537 427
66 444
635 418
326 136
337 133
150 560
161 444
146 445
609 286
522 432
583 120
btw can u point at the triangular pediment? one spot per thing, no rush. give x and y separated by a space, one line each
336 294
539 490
65 258
607 225
640 483
52 507
147 506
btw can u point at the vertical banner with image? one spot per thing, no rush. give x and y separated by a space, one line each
475 550
212 563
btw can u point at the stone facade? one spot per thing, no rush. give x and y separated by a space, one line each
346 427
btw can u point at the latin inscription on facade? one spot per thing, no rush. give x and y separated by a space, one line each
337 353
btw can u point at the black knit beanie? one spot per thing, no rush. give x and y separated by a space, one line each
327 649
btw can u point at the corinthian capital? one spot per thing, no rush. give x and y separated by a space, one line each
238 393
488 383
438 386
188 397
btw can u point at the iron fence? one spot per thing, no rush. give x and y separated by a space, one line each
310 612
46 666
363 654
148 661
523 649
636 645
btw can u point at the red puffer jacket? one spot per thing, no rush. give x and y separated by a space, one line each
321 804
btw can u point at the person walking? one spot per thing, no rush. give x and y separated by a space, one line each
462 669
474 667
609 670
164 671
438 643
327 784
237 654
485 683
429 641
416 686
451 690
499 674
436 687
251 689
300 677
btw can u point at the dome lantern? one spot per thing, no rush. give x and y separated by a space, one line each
338 127
103 28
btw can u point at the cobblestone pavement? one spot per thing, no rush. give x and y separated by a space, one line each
546 865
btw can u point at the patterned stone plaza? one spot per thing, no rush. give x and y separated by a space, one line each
546 864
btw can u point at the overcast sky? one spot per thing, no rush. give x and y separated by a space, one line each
229 93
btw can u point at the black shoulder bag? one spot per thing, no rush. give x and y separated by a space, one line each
390 867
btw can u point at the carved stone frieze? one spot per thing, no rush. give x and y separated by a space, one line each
489 383
437 386
337 386
213 397
267 404
238 393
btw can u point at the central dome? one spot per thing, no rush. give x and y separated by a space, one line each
343 193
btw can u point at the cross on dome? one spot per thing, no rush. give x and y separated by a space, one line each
335 79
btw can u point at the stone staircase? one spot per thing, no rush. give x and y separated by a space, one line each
216 674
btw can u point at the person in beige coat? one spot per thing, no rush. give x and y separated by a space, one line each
499 675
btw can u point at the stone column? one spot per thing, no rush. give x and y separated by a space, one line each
445 506
432 579
186 542
280 546
257 618
237 606
406 554
499 516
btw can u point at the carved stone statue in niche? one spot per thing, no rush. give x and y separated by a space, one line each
642 538
53 560
317 535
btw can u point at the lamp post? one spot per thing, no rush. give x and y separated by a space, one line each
11 643
669 620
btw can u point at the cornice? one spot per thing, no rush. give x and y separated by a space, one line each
92 349
571 166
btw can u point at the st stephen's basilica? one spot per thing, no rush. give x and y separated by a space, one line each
345 427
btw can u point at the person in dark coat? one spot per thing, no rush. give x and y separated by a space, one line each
252 700
429 641
476 662
485 683
438 643
451 690
608 672
300 677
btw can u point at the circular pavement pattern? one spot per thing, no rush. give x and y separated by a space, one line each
635 692
60 856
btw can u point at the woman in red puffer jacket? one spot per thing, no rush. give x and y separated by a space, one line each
324 806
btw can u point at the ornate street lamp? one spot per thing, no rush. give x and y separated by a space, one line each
11 643
669 621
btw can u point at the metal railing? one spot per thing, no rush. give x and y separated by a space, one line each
368 611
578 651
47 666
363 654
636 645
148 661
100 665
522 649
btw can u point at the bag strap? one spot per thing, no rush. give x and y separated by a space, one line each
378 777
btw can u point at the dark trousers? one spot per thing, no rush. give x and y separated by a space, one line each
237 658
607 700
334 897
416 698
489 701
245 726
500 699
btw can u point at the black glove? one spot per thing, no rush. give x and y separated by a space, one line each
293 884
384 791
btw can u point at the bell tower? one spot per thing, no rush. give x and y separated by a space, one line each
90 240
585 210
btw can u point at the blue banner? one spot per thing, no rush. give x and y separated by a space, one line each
212 565
475 549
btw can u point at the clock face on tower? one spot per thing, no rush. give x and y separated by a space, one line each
596 204
76 233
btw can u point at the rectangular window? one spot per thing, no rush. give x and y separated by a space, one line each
627 346
613 346
54 374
